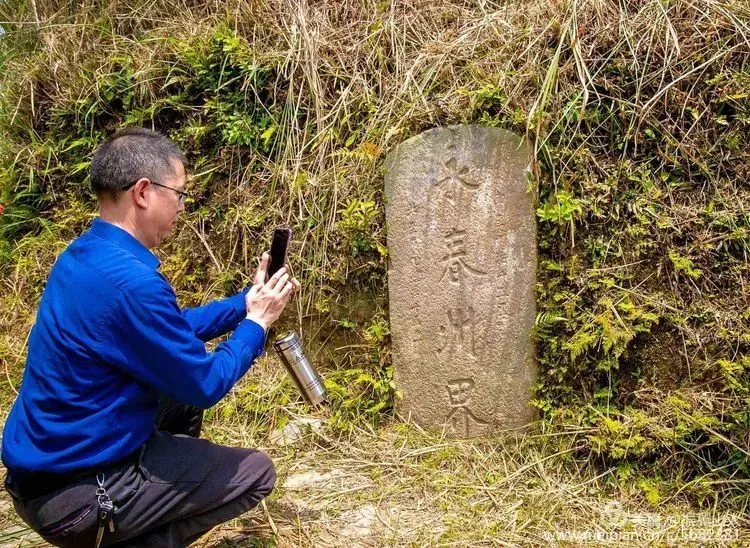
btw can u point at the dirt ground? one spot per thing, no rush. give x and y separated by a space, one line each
401 486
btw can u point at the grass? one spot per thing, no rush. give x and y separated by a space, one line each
401 486
638 113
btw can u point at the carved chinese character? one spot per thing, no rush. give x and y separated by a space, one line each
450 186
460 418
459 333
455 266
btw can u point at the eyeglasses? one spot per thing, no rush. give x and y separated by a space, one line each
183 195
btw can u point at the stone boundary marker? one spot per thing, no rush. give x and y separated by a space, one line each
462 246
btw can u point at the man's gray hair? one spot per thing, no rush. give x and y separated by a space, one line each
129 155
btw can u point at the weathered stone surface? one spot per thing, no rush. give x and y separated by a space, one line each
296 430
462 245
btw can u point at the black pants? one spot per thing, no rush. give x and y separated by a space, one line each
173 491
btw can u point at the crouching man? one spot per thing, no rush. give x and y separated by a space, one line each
101 446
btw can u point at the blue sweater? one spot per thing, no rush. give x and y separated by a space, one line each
109 337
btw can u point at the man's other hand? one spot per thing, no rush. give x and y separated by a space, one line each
266 301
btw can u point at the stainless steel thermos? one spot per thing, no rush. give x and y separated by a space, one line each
289 348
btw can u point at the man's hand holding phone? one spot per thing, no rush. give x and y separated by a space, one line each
266 300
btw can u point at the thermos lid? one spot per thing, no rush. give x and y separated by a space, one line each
288 339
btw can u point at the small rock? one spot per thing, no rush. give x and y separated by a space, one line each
295 431
361 521
304 480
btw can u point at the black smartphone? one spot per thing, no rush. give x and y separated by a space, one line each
279 248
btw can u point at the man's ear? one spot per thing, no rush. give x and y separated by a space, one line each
139 190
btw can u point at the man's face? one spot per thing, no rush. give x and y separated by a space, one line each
167 202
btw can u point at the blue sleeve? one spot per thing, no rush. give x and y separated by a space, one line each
146 336
216 318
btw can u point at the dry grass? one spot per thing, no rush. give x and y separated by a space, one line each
353 79
585 80
400 486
